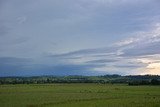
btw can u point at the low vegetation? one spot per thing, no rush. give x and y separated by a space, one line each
79 95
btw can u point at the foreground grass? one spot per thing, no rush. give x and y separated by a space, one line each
79 95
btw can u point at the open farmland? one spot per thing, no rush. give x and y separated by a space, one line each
79 95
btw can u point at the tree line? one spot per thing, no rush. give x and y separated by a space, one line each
143 82
130 80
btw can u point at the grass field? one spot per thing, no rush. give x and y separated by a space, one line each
79 95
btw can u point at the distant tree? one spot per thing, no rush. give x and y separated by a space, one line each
155 82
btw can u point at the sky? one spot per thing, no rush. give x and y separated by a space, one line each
79 37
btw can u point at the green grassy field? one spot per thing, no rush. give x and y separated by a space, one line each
79 95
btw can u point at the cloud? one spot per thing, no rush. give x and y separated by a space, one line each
14 60
3 30
124 55
22 19
103 61
144 43
82 36
11 66
96 61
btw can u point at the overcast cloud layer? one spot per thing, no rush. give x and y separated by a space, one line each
79 37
